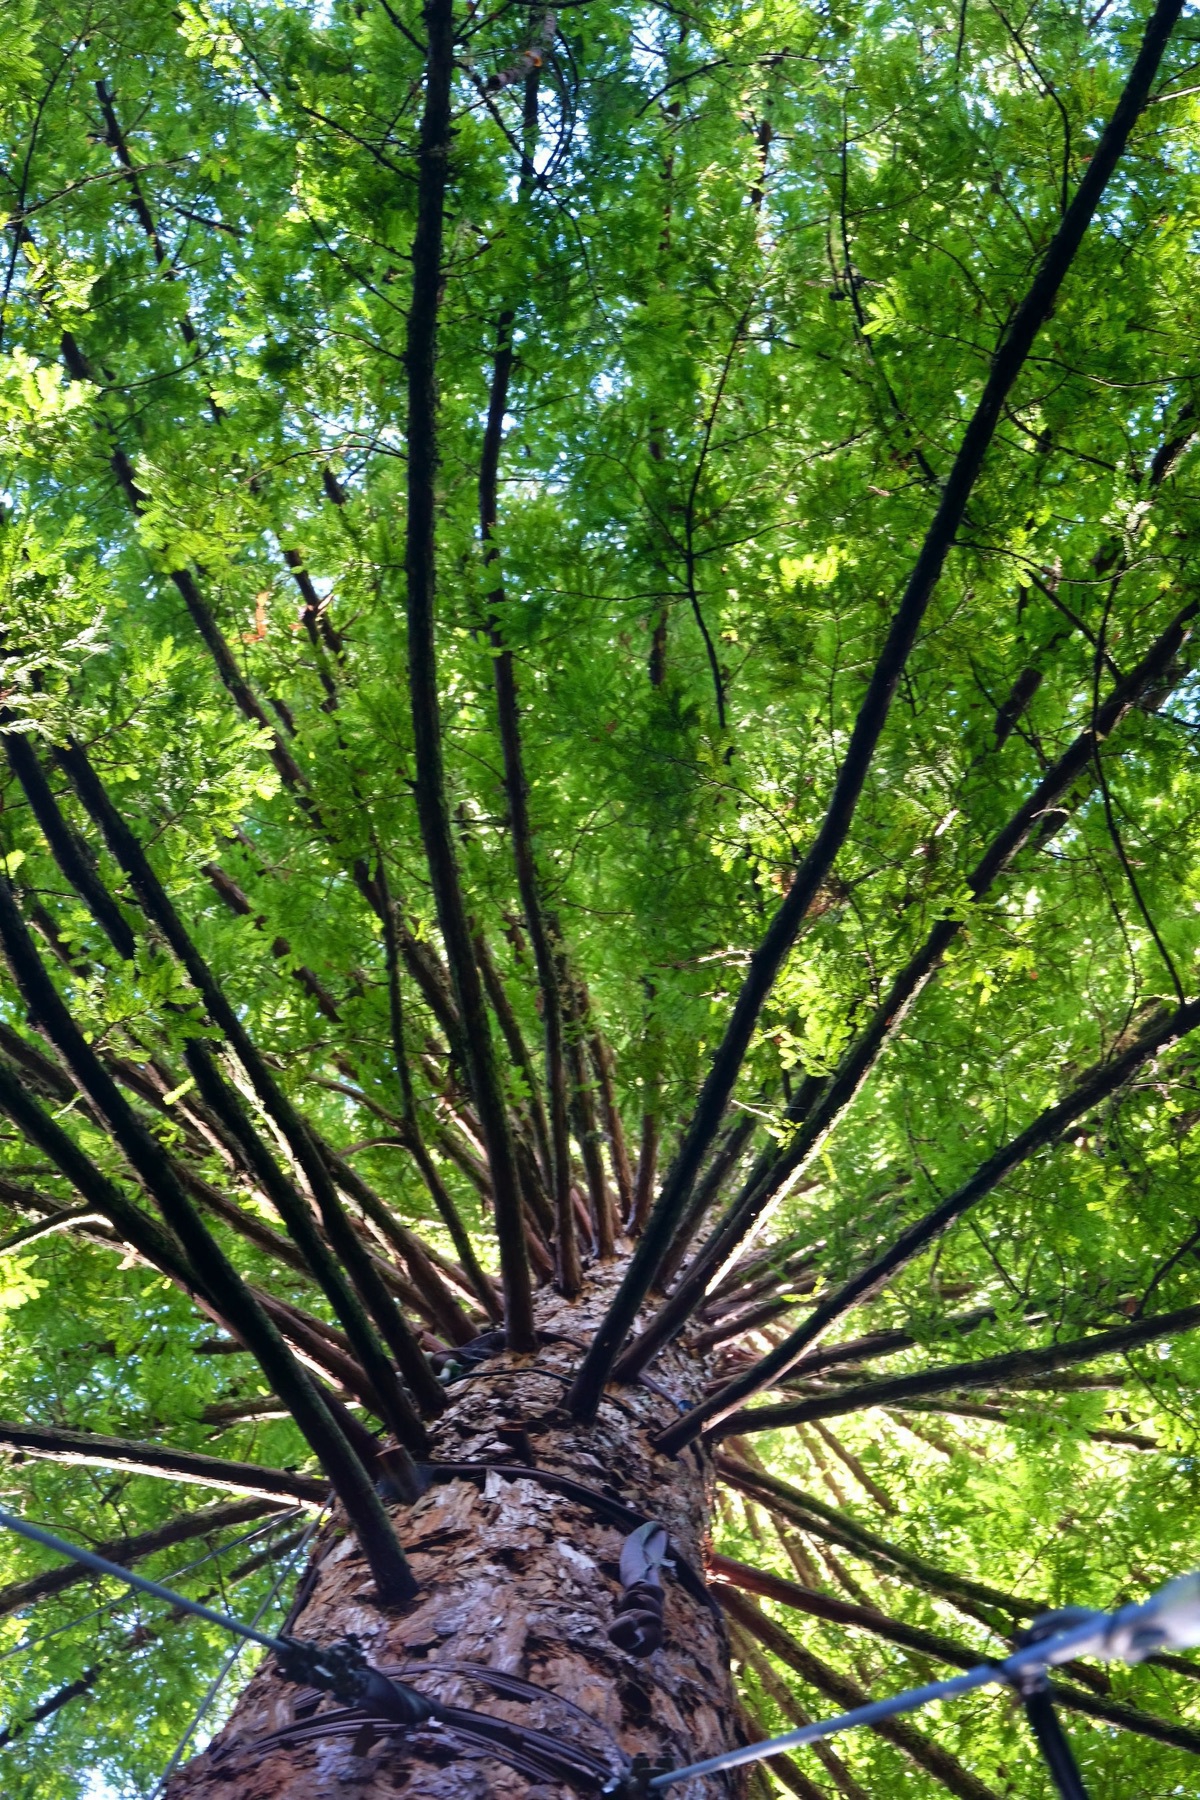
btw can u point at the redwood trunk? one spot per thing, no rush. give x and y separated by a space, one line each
517 1580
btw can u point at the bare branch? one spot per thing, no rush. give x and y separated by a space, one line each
818 1106
1097 1085
846 1694
420 564
988 1371
1007 363
277 1486
942 1649
348 1247
217 1274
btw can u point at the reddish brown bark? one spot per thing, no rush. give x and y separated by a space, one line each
518 1579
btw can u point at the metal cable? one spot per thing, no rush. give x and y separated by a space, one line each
102 1566
339 1668
1172 1616
245 1537
218 1680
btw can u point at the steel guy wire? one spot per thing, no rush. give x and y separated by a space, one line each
108 1606
339 1668
218 1680
102 1566
1170 1617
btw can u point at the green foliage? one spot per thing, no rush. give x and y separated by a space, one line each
756 285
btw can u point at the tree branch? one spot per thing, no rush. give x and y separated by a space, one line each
227 1104
1096 1086
219 1277
348 1247
796 1715
819 1105
414 1138
421 565
1007 363
988 1371
846 1694
600 1053
397 1409
70 851
942 1649
90 1449
996 1609
518 1050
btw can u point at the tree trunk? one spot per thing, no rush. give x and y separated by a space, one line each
517 1580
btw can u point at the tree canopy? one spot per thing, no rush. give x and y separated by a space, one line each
718 291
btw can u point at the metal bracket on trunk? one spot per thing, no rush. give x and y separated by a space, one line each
635 1783
638 1626
342 1670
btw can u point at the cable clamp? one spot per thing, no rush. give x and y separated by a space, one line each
634 1784
342 1669
1168 1620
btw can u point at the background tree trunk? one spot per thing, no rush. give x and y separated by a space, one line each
515 1579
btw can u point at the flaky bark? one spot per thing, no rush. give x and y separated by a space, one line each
516 1579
